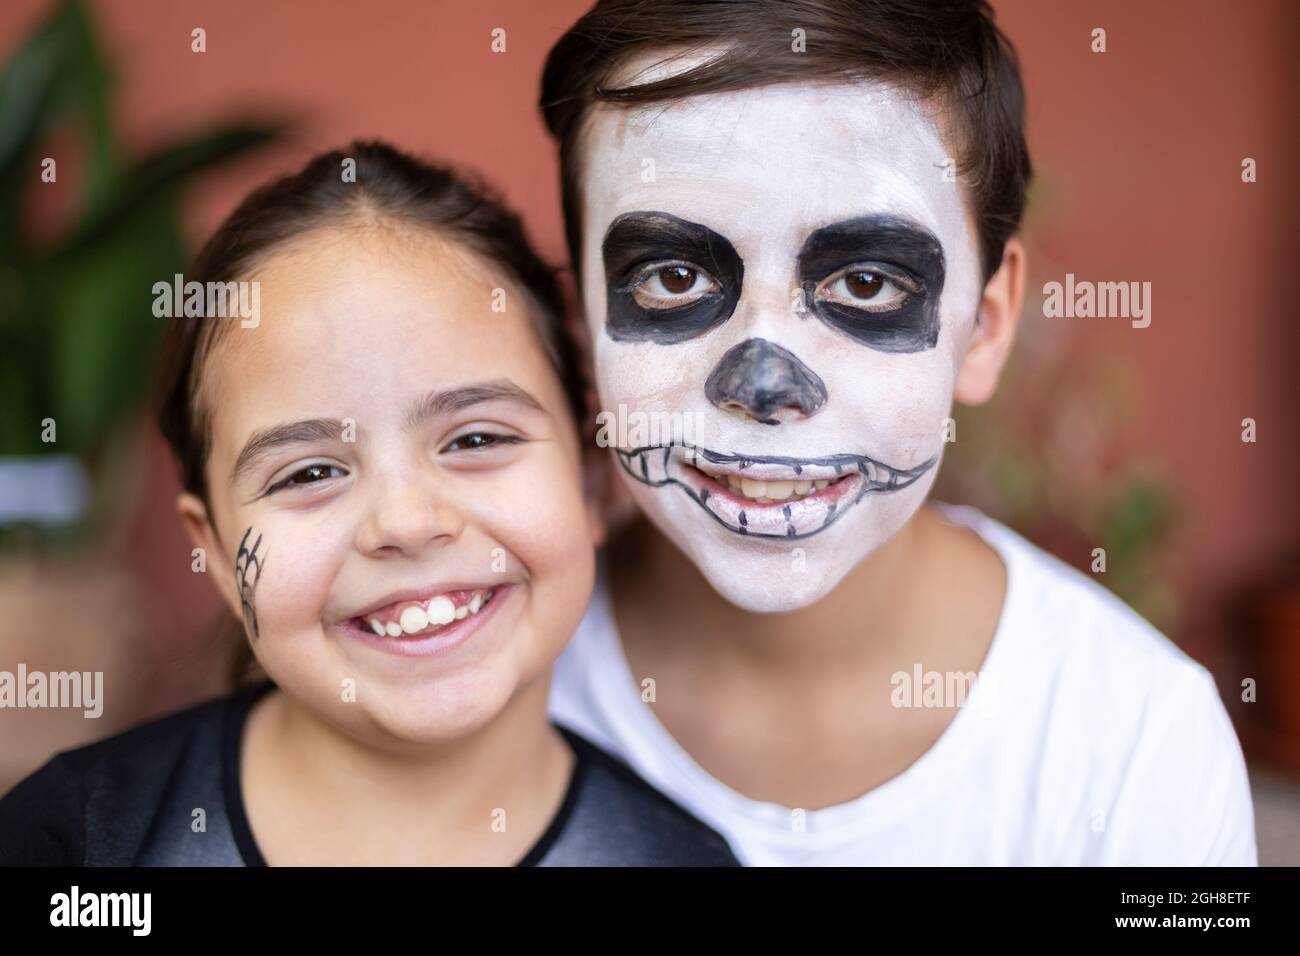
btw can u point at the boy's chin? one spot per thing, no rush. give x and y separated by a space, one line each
753 592
770 576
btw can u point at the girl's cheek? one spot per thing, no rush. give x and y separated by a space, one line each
284 569
536 511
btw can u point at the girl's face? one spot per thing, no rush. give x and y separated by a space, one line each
390 453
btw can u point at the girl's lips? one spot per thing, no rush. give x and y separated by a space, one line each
438 641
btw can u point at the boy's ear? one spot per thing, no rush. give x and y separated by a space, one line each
198 528
995 329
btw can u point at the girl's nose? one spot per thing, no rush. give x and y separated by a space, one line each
407 515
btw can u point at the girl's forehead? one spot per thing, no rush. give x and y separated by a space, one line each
352 328
775 161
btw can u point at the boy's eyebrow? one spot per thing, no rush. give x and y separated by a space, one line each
435 403
901 240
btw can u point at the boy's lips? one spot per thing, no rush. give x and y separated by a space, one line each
767 495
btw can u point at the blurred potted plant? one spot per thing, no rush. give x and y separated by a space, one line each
1055 454
77 333
77 342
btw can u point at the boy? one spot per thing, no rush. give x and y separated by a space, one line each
793 227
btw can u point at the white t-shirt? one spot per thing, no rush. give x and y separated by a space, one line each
1104 744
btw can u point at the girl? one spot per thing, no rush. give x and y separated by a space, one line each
383 469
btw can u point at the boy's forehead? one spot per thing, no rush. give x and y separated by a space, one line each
780 159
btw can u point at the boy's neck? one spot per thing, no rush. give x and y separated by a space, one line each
893 595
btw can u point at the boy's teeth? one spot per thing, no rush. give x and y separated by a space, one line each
773 491
394 629
377 627
475 603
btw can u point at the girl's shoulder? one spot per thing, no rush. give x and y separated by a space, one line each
98 804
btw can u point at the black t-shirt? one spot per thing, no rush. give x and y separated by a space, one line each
134 800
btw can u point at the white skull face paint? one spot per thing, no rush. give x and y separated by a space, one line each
798 277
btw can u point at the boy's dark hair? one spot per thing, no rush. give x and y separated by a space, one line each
390 185
948 49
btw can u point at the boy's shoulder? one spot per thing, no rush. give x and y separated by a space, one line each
613 817
1116 711
1056 612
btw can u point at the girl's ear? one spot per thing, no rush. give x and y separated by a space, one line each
199 529
995 329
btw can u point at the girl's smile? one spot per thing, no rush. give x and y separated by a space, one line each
426 626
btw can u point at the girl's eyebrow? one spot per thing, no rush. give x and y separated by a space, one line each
455 399
262 442
435 403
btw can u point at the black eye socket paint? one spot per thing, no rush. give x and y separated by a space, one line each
636 240
905 253
248 571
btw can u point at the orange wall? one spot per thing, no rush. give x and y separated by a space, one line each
1138 152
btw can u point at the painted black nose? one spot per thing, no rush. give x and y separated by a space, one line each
760 378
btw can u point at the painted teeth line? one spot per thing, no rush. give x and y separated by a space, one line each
771 492
439 612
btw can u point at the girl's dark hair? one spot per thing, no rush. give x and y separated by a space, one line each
387 184
945 48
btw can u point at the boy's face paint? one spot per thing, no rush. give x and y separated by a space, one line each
798 278
344 444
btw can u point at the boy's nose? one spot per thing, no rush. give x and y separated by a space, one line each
407 516
760 379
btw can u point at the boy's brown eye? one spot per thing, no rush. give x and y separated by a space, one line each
864 285
671 286
677 279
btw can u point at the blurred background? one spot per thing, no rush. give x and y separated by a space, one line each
1103 435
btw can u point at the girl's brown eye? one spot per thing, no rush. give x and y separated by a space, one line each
308 476
477 440
864 285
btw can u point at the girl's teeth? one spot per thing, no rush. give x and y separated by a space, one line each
439 611
413 620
